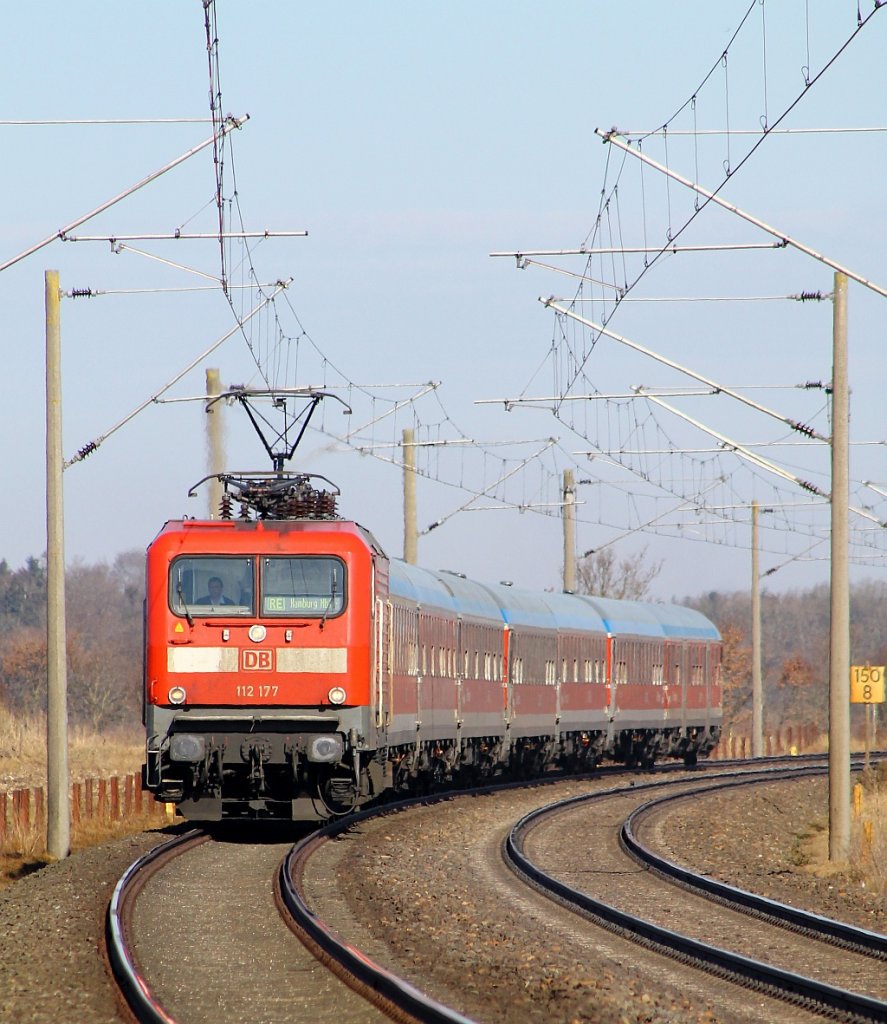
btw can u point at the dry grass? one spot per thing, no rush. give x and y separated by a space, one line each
90 755
24 851
867 865
868 839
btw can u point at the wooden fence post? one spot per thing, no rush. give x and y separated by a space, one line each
39 808
75 803
115 798
21 809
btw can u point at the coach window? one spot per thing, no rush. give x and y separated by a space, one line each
208 585
303 587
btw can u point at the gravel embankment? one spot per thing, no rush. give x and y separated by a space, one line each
437 911
771 840
451 913
51 923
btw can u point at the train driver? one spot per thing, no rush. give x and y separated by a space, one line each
215 596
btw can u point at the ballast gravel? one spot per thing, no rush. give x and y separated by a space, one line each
415 891
51 926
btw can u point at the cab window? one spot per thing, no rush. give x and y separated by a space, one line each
307 586
208 585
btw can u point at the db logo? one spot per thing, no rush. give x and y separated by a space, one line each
253 660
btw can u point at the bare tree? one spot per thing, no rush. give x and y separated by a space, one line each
600 574
736 676
23 670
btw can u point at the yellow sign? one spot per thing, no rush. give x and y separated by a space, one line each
867 684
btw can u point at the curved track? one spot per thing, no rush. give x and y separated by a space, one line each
390 994
393 994
621 908
208 945
826 929
134 988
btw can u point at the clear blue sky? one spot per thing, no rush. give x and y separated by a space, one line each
411 140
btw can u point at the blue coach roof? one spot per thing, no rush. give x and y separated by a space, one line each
571 612
472 599
640 618
545 610
626 618
685 622
515 607
419 585
521 607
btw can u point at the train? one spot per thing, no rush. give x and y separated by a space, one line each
294 671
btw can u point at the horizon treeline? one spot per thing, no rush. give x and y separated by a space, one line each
104 631
794 649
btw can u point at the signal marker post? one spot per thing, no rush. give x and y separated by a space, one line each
867 687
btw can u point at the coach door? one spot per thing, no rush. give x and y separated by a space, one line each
512 664
676 680
382 662
611 676
713 703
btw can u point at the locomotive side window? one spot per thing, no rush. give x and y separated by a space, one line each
303 587
210 585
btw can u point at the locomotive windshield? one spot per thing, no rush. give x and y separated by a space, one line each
208 585
298 587
303 586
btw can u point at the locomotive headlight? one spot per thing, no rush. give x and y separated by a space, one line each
337 695
185 746
326 749
177 695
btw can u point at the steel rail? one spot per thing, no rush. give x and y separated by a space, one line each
826 929
355 968
774 981
133 987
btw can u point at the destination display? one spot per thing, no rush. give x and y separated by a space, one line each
289 604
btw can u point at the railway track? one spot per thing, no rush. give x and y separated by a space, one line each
826 929
636 905
208 943
148 990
